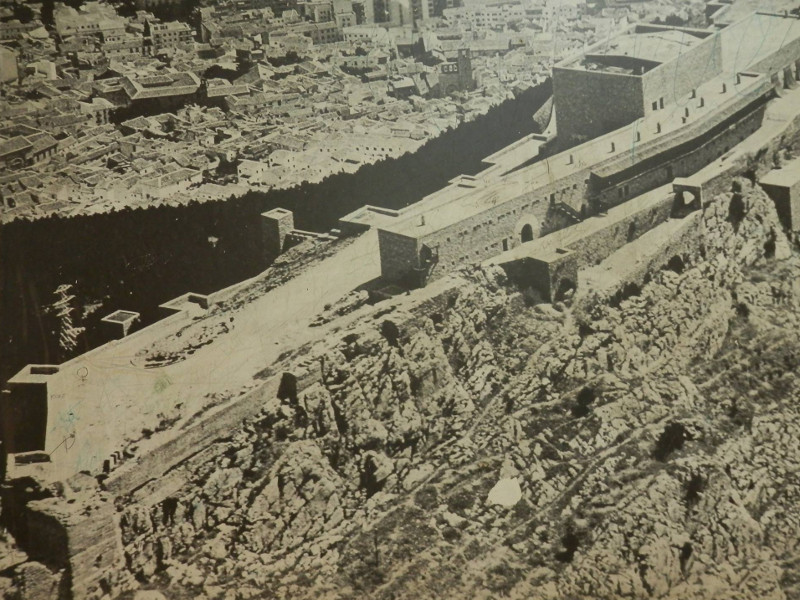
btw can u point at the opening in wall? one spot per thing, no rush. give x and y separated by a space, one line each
526 235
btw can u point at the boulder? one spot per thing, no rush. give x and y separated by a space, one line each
506 492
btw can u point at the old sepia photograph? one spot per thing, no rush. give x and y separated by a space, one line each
399 299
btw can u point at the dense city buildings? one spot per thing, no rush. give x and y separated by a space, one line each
381 78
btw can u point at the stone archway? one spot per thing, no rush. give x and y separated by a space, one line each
287 389
684 202
565 287
425 254
686 198
527 228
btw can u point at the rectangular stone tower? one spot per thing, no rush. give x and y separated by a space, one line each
276 224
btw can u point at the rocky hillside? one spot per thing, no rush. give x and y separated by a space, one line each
640 447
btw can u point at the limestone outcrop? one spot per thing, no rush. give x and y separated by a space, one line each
651 437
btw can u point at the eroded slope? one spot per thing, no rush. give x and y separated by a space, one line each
654 440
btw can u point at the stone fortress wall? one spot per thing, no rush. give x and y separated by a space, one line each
709 110
593 102
674 79
543 207
549 205
584 99
681 160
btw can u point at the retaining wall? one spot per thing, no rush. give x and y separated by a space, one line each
85 543
634 263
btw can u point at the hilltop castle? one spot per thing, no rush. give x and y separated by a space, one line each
632 113
634 116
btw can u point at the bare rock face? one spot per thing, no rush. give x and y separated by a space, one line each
293 502
651 442
148 595
34 581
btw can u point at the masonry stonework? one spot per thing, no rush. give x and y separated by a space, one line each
276 225
783 187
710 147
590 104
577 194
399 255
676 78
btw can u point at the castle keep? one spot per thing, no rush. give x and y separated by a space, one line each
644 71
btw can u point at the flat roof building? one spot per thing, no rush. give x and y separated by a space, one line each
8 65
160 86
